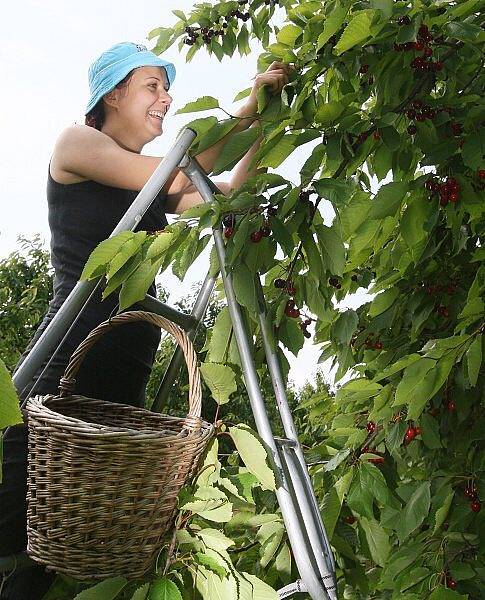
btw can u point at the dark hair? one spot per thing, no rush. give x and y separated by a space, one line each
96 116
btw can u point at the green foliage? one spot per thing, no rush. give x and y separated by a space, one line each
25 292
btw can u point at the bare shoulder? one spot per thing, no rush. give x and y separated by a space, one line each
71 139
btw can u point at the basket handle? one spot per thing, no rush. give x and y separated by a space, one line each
68 381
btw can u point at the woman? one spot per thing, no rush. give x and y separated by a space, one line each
95 172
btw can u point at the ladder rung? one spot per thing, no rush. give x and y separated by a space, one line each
185 321
285 442
292 588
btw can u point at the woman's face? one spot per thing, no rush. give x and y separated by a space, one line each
146 93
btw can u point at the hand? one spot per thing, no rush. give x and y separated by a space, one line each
275 77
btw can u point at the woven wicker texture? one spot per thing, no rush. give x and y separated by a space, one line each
103 477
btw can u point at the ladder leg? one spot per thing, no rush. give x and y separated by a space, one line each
198 311
303 484
299 543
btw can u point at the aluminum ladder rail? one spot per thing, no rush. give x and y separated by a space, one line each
295 494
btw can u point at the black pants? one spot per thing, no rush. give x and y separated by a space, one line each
116 369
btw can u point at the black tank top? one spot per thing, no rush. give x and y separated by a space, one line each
80 216
83 214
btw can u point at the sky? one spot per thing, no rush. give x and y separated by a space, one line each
45 51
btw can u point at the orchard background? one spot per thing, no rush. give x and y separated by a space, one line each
391 92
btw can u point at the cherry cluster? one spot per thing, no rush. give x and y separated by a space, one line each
375 344
449 289
208 33
290 309
334 282
448 191
410 433
472 494
371 428
422 44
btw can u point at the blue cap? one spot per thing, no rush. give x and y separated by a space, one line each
114 64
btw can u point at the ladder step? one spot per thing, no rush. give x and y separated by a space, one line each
293 588
285 442
154 305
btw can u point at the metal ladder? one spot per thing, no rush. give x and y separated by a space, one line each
296 497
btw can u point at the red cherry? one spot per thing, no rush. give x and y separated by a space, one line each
228 232
450 583
376 135
350 520
365 449
290 303
423 31
256 236
265 231
291 289
378 346
428 52
456 128
364 69
437 66
420 117
418 430
272 211
294 313
377 460
412 129
451 406
476 506
409 435
404 20
470 492
371 426
418 46
481 173
410 114
279 283
453 197
417 103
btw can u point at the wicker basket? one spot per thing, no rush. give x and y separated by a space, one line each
103 477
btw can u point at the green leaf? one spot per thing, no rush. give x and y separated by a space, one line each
221 380
253 455
383 301
332 248
413 377
260 590
328 113
129 249
160 244
164 589
357 31
443 593
442 512
210 131
415 511
211 563
235 148
330 511
104 252
473 151
474 360
279 152
106 590
210 503
136 286
288 34
215 539
141 592
10 413
244 287
388 199
333 22
344 326
377 539
203 103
